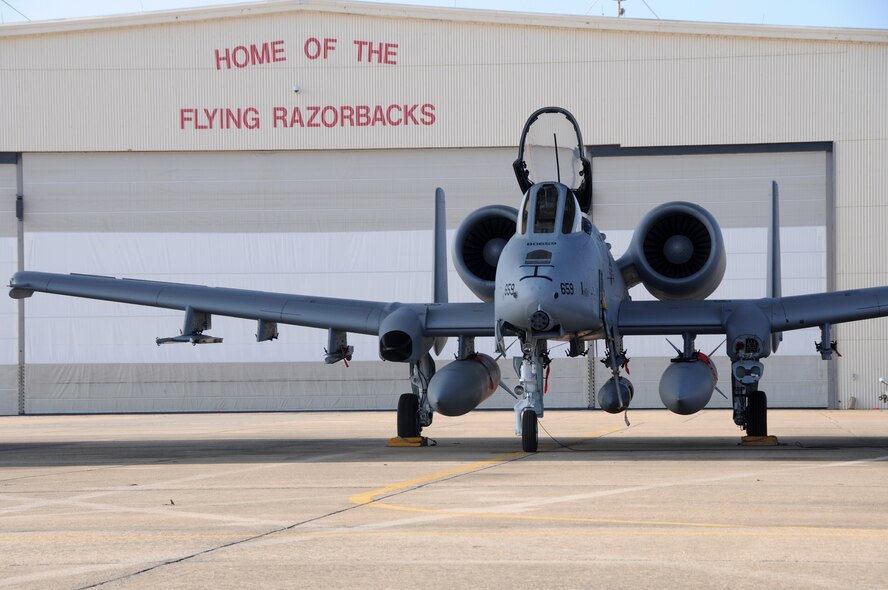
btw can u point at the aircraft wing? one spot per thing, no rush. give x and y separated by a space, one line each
784 313
348 315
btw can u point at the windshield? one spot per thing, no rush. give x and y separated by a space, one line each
546 209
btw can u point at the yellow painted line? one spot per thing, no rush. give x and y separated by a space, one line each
749 531
370 496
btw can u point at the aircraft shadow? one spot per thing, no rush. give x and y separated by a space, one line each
296 450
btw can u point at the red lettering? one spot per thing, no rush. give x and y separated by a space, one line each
378 116
186 115
279 114
347 113
335 114
245 56
428 114
210 115
251 118
329 116
381 53
371 52
388 115
225 118
390 52
220 58
408 113
231 118
313 116
242 56
260 55
277 51
314 49
362 115
361 45
329 47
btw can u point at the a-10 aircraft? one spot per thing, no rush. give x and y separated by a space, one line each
543 272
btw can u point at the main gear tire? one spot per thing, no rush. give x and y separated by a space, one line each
756 414
408 416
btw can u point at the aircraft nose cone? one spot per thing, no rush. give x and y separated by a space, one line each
678 249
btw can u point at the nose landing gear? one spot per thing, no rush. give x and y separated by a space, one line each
531 370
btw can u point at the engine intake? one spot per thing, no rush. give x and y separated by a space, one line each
401 337
677 252
478 244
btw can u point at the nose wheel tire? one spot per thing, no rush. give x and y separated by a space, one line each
408 416
529 438
756 414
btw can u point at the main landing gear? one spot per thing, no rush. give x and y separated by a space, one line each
751 410
414 411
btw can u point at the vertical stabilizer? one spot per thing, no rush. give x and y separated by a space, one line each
439 279
440 263
774 279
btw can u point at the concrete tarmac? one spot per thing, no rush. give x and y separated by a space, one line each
317 500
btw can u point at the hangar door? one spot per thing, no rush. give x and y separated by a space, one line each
8 307
733 183
353 224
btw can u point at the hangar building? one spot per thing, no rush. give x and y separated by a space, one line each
296 147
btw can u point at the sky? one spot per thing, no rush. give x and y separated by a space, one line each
872 14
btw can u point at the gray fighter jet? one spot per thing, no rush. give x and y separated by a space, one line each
542 272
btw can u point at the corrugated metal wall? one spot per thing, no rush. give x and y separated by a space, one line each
862 261
682 84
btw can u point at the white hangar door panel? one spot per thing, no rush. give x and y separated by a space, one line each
340 224
8 306
735 188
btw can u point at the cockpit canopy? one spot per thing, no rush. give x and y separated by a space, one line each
552 150
548 208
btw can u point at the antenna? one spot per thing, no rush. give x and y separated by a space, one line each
557 163
620 10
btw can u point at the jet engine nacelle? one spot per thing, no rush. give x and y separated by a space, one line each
461 386
613 399
687 385
677 252
401 337
478 244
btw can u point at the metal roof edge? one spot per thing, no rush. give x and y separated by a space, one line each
446 14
